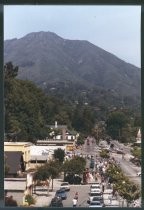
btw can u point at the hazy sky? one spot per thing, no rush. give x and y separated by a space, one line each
113 28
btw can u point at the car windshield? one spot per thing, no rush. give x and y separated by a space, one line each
95 194
97 198
95 203
64 184
96 186
61 191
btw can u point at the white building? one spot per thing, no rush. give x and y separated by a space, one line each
138 138
41 154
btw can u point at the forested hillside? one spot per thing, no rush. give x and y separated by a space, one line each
28 110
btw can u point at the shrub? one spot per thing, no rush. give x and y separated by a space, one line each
29 199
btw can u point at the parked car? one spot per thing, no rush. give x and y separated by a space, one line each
95 186
65 185
56 202
61 193
94 194
95 190
97 204
95 199
98 198
139 173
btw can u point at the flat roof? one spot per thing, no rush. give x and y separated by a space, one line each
17 143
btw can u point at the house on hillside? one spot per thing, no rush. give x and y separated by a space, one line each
61 132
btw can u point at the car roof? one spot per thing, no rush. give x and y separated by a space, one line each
60 190
95 190
95 186
95 194
96 183
97 197
64 183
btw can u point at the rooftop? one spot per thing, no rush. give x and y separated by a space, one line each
17 143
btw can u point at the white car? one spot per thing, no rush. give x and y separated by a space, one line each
94 194
139 173
65 185
96 188
97 204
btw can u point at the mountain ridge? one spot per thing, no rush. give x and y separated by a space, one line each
46 58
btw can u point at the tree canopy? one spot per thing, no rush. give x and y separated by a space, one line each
59 154
114 124
74 166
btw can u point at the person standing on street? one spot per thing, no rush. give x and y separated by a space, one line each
74 202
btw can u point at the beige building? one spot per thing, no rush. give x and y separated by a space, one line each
23 147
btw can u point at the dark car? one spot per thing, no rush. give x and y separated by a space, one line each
56 202
61 193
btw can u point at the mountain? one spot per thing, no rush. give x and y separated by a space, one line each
49 60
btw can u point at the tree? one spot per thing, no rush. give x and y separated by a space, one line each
29 199
41 173
104 154
129 191
126 189
10 71
54 168
114 124
48 171
80 140
136 152
59 154
74 166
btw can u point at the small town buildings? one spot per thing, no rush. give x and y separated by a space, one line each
61 132
41 154
23 147
14 163
15 187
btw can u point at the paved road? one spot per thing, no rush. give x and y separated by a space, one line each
126 149
128 168
83 195
83 191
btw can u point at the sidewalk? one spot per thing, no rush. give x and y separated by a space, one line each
42 198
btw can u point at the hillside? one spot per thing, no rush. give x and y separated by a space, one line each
51 62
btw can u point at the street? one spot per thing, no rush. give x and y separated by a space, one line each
82 198
128 168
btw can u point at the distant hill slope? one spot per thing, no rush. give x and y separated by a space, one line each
47 59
